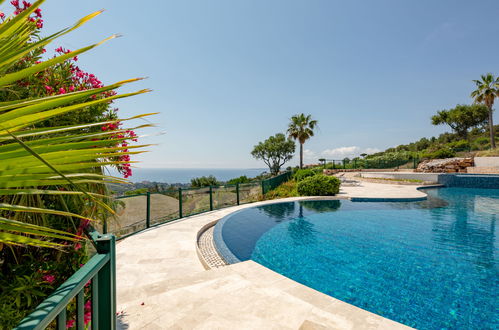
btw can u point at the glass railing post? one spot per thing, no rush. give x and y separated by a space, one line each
211 198
237 193
180 203
148 209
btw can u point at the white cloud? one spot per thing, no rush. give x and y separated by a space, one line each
371 150
310 156
350 152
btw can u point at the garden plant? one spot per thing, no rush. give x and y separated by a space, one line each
58 129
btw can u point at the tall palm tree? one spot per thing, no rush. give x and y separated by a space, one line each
487 90
301 128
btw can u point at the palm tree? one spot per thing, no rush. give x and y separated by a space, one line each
301 128
487 90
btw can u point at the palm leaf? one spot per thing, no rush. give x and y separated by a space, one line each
34 161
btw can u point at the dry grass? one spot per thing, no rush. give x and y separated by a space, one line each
488 153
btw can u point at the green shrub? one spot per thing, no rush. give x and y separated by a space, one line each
204 181
287 189
439 154
461 145
317 170
319 185
136 191
302 174
240 180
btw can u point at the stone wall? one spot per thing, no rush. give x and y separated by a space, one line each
449 165
483 170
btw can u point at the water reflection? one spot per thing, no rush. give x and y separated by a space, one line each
321 206
278 212
468 226
301 230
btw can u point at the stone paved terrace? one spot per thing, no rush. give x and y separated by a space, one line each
162 284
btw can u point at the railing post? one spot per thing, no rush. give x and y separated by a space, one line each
148 210
107 284
237 193
180 203
211 198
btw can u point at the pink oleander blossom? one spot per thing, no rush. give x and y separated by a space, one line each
87 317
48 278
70 324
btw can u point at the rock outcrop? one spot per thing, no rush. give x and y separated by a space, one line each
449 165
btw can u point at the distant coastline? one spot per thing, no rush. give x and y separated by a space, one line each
184 175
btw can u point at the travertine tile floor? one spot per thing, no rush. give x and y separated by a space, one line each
161 284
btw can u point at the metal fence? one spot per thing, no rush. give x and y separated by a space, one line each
95 282
138 212
371 163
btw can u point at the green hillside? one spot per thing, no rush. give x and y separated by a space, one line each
446 145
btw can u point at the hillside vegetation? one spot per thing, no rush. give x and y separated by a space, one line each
446 145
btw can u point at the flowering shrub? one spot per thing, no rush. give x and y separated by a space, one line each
65 78
30 274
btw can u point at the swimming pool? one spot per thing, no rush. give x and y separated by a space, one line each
431 264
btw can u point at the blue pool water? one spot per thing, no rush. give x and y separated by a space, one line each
430 264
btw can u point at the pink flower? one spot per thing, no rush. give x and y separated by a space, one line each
59 50
15 3
62 91
38 62
77 246
44 50
2 15
70 324
48 89
88 305
71 88
87 317
38 12
39 23
48 278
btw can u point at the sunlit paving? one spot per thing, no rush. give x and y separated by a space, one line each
249 165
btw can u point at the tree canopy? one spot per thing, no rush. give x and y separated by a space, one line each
274 151
301 128
204 181
462 118
487 89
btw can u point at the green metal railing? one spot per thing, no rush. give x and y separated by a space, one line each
272 183
100 273
142 211
370 163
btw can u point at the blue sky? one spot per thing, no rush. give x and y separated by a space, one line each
227 74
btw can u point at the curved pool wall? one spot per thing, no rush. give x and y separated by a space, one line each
430 264
246 226
483 181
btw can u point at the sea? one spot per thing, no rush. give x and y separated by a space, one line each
184 175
